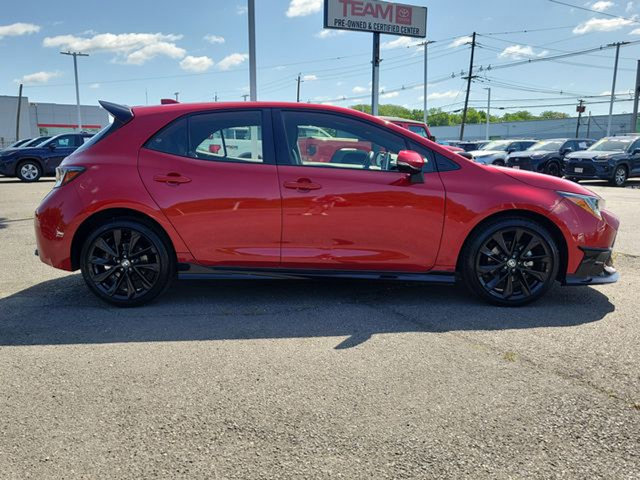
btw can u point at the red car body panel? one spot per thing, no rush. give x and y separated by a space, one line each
357 220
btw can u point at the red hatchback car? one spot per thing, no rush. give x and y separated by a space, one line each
231 190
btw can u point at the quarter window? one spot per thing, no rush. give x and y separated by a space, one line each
348 143
171 139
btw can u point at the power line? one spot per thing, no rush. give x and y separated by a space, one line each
594 11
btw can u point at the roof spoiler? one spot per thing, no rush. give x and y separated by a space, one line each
122 113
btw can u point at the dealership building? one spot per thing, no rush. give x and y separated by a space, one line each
38 119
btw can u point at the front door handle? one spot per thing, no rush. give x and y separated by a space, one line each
172 178
302 184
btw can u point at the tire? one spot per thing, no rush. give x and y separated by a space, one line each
553 169
499 163
127 263
620 175
29 171
498 273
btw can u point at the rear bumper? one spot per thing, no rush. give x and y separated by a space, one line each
596 268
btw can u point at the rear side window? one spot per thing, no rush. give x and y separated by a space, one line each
171 139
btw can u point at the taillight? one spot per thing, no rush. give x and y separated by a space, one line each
66 174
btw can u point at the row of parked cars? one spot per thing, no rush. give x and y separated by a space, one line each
31 158
615 159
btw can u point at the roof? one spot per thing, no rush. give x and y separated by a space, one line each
399 119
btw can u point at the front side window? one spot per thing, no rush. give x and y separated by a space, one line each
226 136
419 129
65 141
352 143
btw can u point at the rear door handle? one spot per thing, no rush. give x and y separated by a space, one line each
172 178
302 184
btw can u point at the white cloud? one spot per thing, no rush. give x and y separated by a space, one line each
214 38
301 8
442 95
602 5
390 95
328 33
134 48
602 25
37 78
241 9
518 52
196 64
94 85
232 60
358 89
629 7
17 29
400 42
309 78
460 41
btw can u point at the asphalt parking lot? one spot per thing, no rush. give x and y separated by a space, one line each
333 379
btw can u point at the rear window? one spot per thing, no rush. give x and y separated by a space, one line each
89 141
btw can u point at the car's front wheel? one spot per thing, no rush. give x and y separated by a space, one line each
126 263
510 262
553 169
29 171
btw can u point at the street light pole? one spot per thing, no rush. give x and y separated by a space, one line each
253 89
488 111
75 56
613 87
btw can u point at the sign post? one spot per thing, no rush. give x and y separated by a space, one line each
377 17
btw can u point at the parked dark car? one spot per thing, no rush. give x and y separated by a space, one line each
468 146
17 144
547 156
31 163
612 158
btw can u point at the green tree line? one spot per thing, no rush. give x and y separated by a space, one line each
438 118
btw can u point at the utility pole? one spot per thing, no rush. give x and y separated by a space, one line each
488 111
424 88
375 75
298 91
469 78
215 97
146 97
75 56
253 89
245 96
580 108
613 87
634 119
176 95
18 113
589 125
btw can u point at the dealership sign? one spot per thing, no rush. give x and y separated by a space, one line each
376 16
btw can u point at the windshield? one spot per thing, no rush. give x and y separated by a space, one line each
500 145
611 145
36 141
548 145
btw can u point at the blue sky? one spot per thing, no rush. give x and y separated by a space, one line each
199 48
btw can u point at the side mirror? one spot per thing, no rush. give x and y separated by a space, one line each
566 150
412 163
432 138
52 146
511 150
636 151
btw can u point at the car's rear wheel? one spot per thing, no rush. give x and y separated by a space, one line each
553 169
126 263
29 171
619 176
510 262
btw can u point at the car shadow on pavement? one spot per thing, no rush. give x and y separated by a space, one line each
63 311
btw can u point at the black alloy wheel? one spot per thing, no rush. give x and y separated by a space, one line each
619 176
512 262
553 169
126 263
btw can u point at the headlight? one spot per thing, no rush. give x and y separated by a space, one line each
602 158
65 174
589 203
537 155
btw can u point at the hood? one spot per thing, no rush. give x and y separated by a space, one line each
541 180
488 153
9 151
527 153
592 153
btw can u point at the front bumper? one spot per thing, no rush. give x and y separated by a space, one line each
7 168
596 268
586 169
